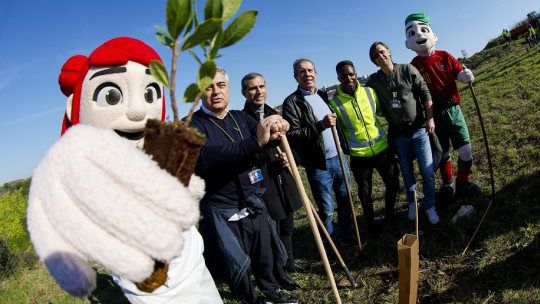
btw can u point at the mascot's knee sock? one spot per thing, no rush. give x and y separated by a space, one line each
464 172
446 170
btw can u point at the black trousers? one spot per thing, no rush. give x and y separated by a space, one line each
253 235
285 231
362 168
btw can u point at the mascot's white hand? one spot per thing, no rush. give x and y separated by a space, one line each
96 197
465 75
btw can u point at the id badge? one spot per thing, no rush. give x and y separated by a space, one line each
395 103
255 176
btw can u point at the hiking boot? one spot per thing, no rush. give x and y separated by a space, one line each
279 297
412 212
432 216
468 189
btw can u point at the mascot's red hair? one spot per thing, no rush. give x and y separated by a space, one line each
115 52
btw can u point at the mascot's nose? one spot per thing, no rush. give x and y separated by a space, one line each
136 115
136 110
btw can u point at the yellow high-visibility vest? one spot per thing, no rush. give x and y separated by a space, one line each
357 117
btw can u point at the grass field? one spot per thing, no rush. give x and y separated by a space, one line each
502 265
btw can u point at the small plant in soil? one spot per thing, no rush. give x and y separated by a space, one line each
175 146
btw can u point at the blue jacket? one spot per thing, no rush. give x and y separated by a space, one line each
224 165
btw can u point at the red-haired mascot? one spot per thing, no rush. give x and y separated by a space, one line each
96 197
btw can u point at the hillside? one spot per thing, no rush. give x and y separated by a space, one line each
502 265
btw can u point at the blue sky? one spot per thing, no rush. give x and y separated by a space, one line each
37 37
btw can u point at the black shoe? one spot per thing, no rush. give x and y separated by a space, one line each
296 267
448 188
286 282
468 189
279 297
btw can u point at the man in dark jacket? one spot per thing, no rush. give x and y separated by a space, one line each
235 225
281 196
310 119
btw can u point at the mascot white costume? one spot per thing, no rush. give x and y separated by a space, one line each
96 197
440 71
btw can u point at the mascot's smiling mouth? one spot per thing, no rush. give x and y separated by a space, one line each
421 41
130 135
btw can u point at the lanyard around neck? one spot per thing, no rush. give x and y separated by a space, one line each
225 132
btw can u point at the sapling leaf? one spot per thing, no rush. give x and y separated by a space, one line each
195 57
213 9
191 92
163 36
202 33
207 71
239 28
159 72
230 7
178 14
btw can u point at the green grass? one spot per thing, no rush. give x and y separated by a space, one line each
502 265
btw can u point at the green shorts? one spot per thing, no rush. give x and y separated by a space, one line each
450 126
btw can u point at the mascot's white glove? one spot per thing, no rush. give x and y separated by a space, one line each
96 197
465 75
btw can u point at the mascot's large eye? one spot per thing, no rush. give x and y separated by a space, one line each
107 94
152 92
411 33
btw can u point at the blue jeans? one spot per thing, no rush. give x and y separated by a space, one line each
417 146
322 183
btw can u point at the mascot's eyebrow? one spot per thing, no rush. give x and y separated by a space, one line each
420 23
112 70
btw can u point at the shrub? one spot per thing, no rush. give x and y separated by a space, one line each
8 260
12 225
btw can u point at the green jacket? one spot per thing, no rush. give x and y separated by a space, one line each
358 120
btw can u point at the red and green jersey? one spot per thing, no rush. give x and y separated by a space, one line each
440 71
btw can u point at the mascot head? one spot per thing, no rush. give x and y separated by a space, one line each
420 37
113 88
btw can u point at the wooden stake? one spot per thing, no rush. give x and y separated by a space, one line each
311 219
329 238
344 171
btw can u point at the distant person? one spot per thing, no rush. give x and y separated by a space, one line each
235 224
356 107
281 196
310 119
531 32
507 36
406 104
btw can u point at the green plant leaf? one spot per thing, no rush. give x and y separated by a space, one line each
230 7
207 71
213 9
195 57
159 72
239 28
178 15
191 92
216 45
202 33
164 37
